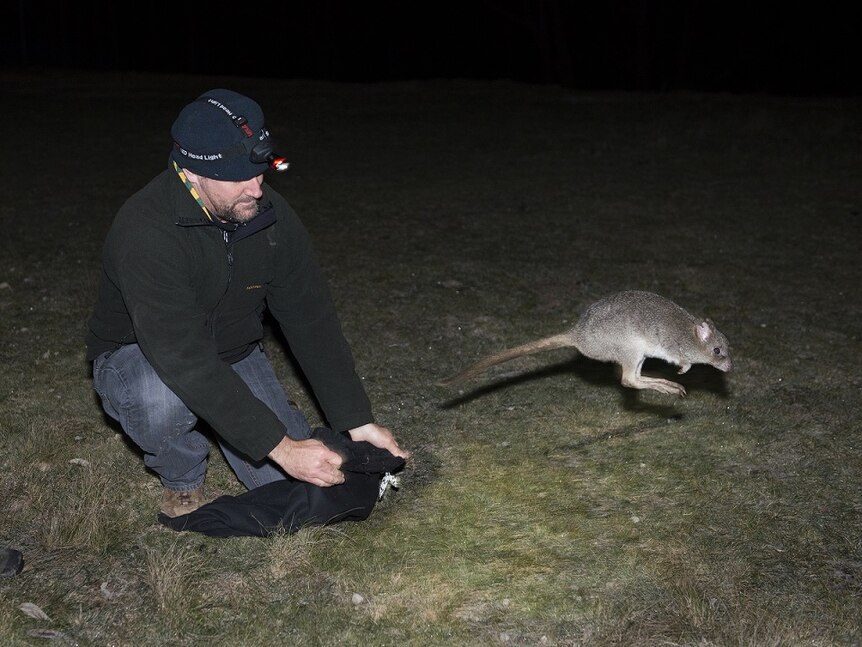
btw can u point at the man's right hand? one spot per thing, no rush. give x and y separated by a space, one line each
308 460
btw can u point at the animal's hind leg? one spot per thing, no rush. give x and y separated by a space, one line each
633 379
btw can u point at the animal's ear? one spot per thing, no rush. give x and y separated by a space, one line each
704 330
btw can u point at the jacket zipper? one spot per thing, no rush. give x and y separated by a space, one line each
229 247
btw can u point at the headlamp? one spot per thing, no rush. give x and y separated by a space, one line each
263 151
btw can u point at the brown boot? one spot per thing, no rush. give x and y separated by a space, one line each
176 503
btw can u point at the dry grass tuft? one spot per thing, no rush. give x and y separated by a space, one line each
175 575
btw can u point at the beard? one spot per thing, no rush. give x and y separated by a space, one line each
238 213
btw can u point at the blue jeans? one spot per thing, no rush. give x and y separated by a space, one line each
163 427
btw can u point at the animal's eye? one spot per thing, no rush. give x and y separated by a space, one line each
717 350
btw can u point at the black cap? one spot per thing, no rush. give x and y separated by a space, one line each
214 136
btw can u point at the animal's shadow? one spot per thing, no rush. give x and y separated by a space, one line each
606 374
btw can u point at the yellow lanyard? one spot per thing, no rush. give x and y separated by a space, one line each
192 190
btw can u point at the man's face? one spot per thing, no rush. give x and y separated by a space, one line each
234 202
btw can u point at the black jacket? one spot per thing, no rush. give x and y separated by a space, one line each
192 294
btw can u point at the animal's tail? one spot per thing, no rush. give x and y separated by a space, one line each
563 340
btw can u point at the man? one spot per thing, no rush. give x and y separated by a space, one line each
189 265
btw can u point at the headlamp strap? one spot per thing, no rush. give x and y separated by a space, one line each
242 122
238 120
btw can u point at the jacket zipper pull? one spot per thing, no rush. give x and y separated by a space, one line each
228 246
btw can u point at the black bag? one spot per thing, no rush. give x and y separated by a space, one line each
288 505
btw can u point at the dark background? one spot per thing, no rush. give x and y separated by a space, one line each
762 47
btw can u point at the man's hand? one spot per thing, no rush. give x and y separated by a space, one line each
379 437
308 460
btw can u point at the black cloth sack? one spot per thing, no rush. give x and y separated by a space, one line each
289 505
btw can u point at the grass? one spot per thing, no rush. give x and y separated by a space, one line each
545 504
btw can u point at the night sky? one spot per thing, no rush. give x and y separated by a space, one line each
758 47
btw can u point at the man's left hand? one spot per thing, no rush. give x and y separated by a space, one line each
379 437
